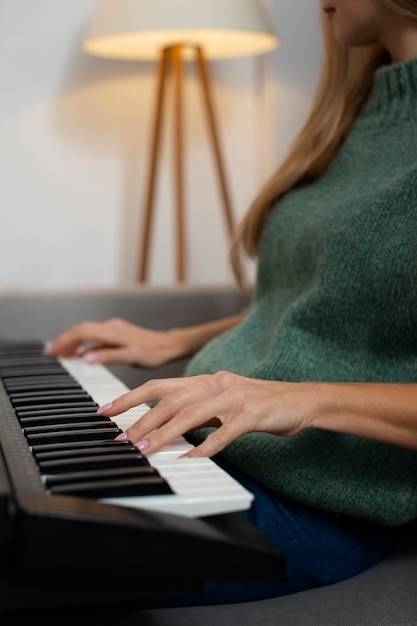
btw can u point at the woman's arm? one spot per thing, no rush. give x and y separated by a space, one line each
116 340
381 412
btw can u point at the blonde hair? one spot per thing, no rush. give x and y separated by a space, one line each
406 8
345 80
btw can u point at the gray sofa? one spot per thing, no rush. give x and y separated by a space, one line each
384 595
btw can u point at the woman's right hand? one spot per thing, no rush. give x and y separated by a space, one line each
116 341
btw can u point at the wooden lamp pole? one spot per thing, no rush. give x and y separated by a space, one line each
172 57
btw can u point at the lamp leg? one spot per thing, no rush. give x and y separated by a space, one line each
205 83
143 267
177 66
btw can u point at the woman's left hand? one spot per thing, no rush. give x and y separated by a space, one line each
235 404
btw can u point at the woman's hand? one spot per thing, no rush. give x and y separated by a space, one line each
235 404
382 412
114 341
118 341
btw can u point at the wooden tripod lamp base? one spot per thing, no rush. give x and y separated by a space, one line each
172 58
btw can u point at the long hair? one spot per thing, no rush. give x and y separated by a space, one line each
344 83
406 8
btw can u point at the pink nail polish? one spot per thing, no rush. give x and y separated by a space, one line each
104 408
121 437
91 357
142 445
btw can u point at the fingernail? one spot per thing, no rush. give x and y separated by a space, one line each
184 456
91 357
121 437
104 408
142 445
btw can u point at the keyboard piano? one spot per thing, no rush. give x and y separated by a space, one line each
76 506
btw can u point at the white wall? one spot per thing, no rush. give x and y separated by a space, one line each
74 136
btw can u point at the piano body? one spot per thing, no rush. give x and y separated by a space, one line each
80 523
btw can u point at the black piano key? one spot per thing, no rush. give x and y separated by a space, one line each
56 412
57 428
75 418
39 388
66 445
59 406
19 372
40 383
92 434
99 450
25 361
41 398
29 357
33 358
70 391
104 475
115 488
90 463
41 376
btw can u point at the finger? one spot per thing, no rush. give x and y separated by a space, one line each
151 390
174 395
217 440
68 342
189 418
168 409
165 426
107 355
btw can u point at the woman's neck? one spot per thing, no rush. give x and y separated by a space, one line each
400 40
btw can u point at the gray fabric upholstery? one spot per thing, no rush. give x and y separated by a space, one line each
384 595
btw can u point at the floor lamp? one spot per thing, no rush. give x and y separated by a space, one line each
174 31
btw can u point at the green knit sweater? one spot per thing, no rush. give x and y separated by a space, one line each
336 300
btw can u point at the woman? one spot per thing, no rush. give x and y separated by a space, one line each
310 398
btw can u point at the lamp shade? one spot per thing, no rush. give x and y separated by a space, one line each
139 29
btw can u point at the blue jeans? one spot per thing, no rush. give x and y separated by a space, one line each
320 548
